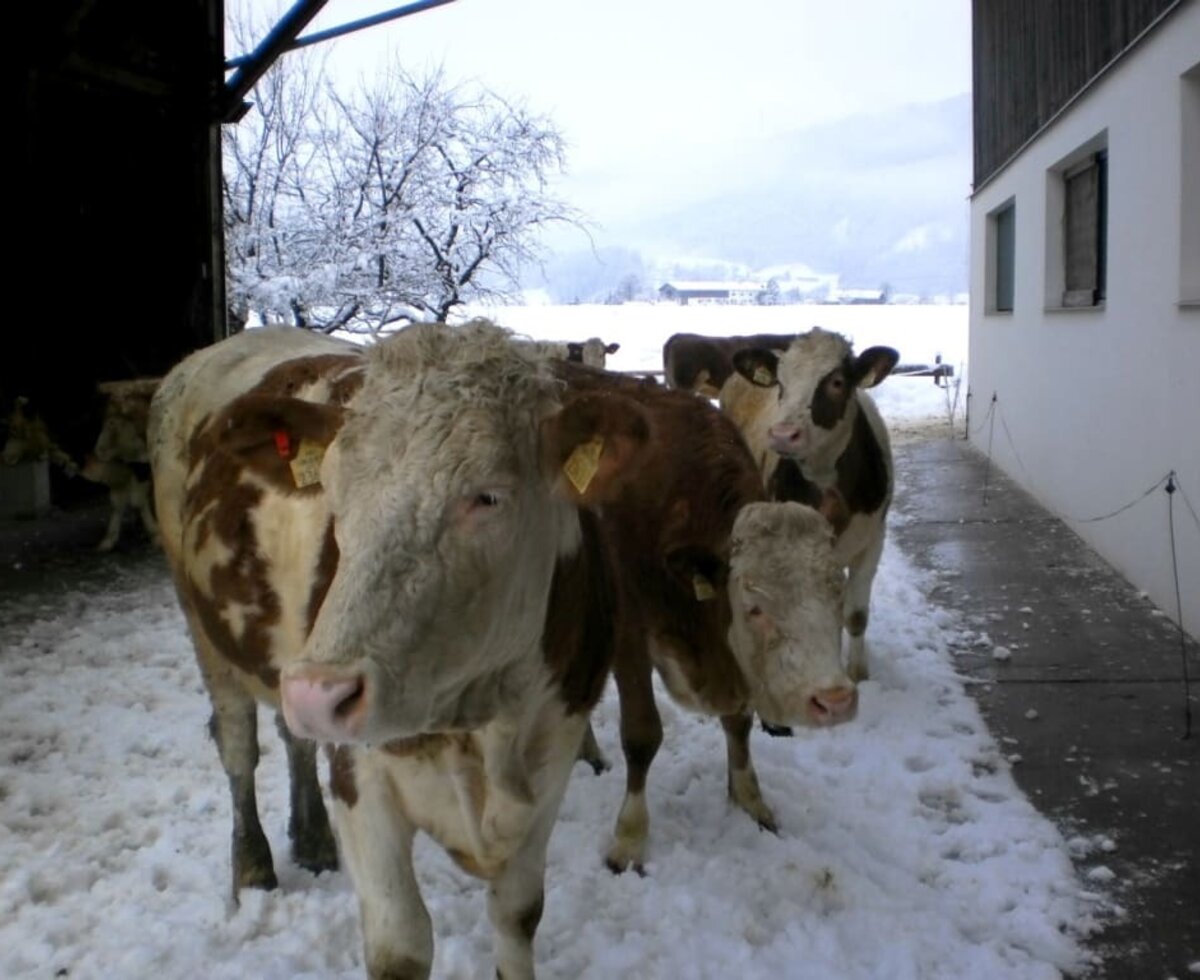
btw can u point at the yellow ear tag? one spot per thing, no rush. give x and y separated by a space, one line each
582 464
703 588
763 377
306 467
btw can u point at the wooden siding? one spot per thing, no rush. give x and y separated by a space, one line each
1031 57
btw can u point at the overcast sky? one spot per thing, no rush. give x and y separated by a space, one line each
637 85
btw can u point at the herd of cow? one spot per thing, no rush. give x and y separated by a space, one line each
431 553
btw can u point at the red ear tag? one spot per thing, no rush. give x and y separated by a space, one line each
283 444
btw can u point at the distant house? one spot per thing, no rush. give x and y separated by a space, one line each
711 293
858 297
1085 272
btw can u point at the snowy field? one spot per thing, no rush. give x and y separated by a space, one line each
905 850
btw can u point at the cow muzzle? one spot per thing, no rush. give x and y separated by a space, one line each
325 704
832 705
788 439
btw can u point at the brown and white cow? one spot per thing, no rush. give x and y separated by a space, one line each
693 362
818 436
120 458
593 352
734 601
386 544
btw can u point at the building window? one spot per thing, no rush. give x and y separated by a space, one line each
1085 207
1189 251
1077 228
1005 230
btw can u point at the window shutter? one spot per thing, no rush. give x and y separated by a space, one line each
1083 234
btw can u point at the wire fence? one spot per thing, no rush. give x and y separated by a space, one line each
1168 482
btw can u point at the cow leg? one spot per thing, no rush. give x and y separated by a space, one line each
116 515
641 735
515 896
313 844
142 493
857 607
377 845
743 780
590 752
234 726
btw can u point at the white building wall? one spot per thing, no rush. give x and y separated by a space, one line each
1094 406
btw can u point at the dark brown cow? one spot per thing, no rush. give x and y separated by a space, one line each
735 602
703 364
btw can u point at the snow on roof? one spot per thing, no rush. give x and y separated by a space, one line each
710 285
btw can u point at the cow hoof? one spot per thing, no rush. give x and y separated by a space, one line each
768 823
261 879
776 731
598 763
617 867
316 854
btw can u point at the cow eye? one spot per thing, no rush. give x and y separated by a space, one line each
754 612
837 383
487 499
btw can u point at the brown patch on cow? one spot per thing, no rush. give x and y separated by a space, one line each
577 638
692 362
342 783
327 565
862 480
343 372
832 395
220 503
856 622
678 511
243 580
862 473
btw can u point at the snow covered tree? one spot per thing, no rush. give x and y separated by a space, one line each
395 203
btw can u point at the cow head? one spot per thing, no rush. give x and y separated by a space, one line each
452 481
785 593
818 377
592 352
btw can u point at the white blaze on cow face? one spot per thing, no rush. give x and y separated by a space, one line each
786 592
449 519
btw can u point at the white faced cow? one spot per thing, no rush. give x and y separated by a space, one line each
817 436
384 543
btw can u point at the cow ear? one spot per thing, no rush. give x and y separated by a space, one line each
594 444
757 365
873 365
283 439
698 570
611 348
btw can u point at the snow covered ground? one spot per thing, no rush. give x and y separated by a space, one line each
905 851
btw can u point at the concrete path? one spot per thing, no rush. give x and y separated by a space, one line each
1089 703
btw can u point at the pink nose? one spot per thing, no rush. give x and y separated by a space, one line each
785 439
833 705
324 705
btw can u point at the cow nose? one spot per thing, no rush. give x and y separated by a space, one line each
786 438
324 705
833 705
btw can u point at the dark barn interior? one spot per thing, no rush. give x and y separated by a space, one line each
117 240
